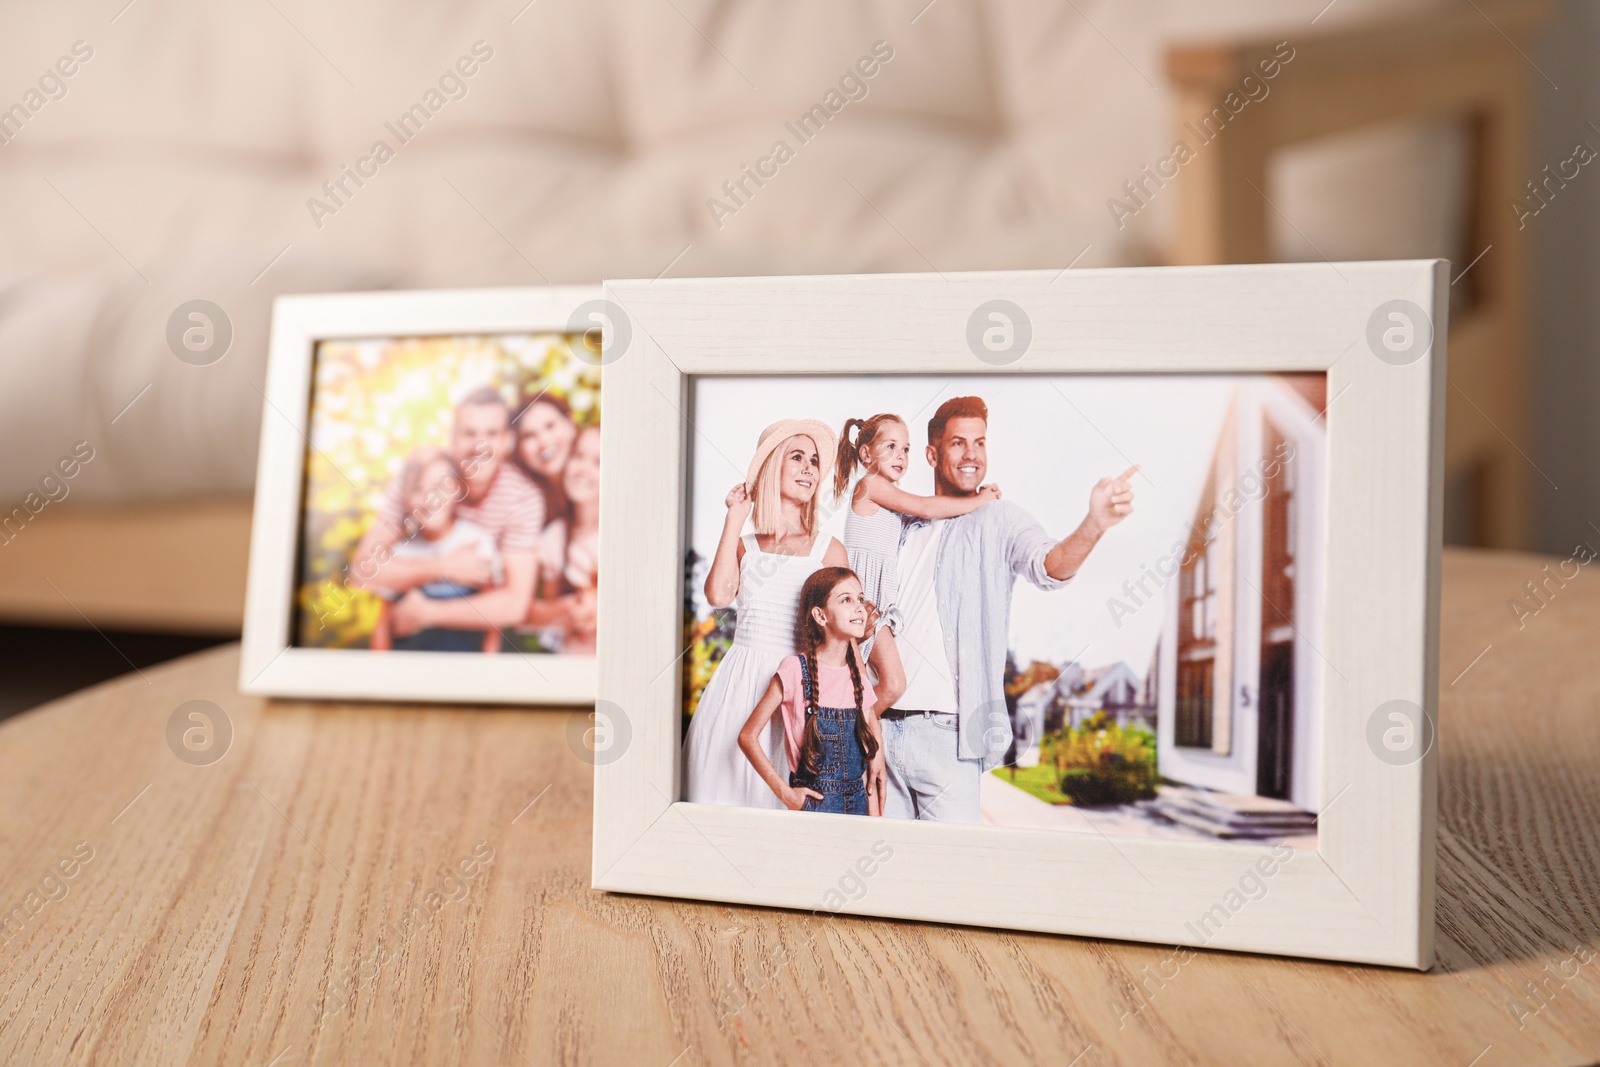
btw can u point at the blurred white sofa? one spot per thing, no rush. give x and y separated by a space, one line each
199 150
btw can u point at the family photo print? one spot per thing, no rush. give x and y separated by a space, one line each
1087 603
452 491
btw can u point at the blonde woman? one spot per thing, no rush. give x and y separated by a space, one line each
761 575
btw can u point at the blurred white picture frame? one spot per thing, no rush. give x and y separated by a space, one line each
1377 330
270 663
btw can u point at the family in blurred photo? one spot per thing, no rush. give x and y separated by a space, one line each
486 540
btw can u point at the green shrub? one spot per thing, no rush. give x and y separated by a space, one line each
1083 786
1101 762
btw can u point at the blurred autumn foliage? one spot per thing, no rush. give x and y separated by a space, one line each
375 400
709 635
1034 673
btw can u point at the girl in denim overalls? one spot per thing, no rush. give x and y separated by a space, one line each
829 730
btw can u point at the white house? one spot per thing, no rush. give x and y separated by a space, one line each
1240 674
1115 690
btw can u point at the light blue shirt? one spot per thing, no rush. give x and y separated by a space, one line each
981 554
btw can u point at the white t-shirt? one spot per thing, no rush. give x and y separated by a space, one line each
462 534
920 637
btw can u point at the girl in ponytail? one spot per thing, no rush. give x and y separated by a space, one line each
881 446
829 728
850 448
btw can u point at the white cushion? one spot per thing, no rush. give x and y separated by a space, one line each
587 146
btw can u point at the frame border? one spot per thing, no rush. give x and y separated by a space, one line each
1365 895
268 663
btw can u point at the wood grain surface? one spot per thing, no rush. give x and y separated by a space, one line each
302 900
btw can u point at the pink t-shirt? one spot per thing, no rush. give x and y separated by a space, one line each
836 691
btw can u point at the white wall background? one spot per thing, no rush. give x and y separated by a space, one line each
1050 439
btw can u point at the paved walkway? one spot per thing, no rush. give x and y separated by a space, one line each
1003 804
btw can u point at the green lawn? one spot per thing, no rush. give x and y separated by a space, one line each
1037 781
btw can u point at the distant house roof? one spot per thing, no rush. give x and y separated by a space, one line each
1084 687
1099 682
1039 694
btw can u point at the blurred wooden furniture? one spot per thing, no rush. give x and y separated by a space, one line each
293 903
176 567
1468 64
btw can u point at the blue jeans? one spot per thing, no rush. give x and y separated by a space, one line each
841 779
927 780
442 638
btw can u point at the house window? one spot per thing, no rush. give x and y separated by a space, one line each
1198 597
1197 644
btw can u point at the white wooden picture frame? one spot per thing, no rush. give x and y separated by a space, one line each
1377 330
269 663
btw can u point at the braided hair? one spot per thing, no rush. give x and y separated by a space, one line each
808 633
850 450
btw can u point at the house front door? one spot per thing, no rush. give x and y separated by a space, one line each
1275 716
1275 732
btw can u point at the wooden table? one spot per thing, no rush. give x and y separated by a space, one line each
290 904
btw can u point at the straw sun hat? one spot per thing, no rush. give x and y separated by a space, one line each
826 441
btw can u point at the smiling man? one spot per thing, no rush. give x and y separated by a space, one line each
956 577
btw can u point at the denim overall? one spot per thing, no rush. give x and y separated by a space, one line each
840 779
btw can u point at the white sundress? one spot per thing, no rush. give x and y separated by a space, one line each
715 768
873 545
